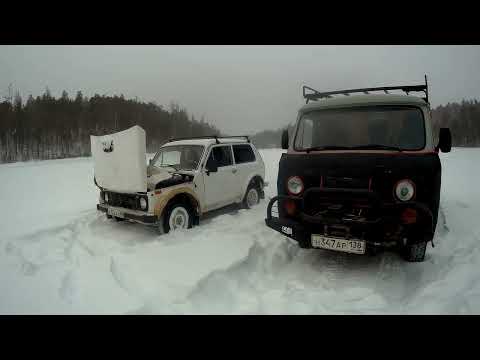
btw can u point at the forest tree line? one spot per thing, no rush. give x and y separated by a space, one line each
463 119
51 128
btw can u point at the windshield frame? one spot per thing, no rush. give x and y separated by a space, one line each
365 108
155 158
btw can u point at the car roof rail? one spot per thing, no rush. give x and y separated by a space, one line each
315 94
216 137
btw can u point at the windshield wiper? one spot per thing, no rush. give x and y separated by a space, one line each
327 147
357 147
376 147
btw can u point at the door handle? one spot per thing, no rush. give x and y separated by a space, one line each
234 171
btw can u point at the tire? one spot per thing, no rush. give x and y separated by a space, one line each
119 218
178 216
415 252
252 196
304 244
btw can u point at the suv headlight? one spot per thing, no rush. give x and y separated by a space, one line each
295 185
143 203
404 190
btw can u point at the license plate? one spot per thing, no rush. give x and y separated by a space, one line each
337 244
115 212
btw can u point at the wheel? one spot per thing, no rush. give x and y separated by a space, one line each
252 196
119 218
415 252
178 216
304 244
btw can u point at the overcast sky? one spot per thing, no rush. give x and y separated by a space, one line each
240 89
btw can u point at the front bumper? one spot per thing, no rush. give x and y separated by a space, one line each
134 215
303 225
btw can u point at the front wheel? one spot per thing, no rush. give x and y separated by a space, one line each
178 216
415 252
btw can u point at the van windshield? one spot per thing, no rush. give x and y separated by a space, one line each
179 157
373 127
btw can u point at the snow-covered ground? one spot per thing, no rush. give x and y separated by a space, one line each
59 255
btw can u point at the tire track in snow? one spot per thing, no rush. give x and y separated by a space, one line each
67 289
117 275
278 277
27 267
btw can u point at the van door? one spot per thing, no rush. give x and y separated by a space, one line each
220 186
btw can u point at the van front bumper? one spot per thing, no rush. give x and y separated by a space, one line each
134 215
303 226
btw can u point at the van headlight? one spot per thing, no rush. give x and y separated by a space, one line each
143 203
404 190
295 185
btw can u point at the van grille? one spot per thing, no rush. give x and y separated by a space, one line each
346 182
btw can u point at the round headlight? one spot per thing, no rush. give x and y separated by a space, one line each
295 185
404 190
105 196
143 203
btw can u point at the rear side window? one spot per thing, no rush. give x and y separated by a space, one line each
223 155
243 154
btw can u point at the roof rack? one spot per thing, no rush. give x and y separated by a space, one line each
210 137
315 94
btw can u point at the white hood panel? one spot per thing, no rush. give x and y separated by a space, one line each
120 160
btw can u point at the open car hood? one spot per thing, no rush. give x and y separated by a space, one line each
120 160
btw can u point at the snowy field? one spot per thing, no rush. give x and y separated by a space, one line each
58 255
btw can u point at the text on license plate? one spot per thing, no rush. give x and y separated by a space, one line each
115 212
346 245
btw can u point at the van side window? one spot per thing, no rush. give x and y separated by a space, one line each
243 154
305 132
223 155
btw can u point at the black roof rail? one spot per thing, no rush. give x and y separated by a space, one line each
315 94
210 137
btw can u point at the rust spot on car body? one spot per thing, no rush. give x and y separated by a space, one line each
161 200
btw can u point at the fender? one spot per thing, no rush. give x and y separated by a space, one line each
168 194
249 179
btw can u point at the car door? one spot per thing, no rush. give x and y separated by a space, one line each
245 162
220 186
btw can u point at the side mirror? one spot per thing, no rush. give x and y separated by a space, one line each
445 140
211 166
285 139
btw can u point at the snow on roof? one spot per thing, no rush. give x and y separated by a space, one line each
363 100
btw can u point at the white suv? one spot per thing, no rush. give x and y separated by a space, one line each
185 179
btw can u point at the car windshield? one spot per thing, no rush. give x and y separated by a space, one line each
378 127
179 157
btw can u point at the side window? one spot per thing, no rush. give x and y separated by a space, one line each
304 134
243 154
222 154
